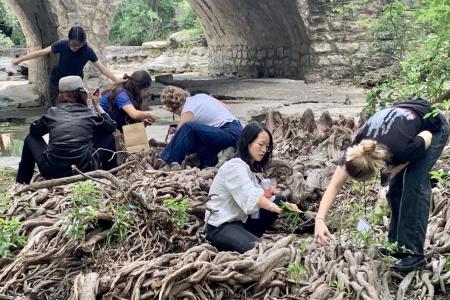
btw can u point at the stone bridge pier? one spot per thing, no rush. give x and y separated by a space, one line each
299 39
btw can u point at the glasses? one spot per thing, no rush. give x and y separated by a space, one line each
264 147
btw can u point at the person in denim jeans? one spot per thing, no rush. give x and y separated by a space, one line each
239 210
404 143
206 127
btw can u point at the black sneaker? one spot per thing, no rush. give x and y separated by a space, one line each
410 263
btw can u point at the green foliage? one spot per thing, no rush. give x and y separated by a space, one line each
363 239
123 220
377 216
296 272
447 263
289 219
83 215
303 246
138 21
10 237
7 178
418 38
5 200
9 21
177 212
337 286
439 175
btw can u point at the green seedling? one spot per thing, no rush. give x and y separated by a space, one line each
10 237
289 219
177 212
296 272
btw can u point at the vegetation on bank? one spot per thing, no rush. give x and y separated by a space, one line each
10 31
138 21
414 38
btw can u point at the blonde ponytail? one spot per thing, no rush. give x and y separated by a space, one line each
365 158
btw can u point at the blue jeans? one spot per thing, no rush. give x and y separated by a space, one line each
409 196
205 140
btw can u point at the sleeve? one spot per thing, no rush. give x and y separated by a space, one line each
122 99
39 127
91 55
58 46
414 150
105 123
190 106
242 189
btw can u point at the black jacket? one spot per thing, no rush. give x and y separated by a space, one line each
72 129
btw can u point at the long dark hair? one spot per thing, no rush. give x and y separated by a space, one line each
248 135
133 85
77 33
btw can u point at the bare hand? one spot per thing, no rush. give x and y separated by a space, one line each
322 235
294 207
95 100
149 117
148 121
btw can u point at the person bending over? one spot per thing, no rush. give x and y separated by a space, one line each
205 127
236 194
406 144
74 53
76 134
123 101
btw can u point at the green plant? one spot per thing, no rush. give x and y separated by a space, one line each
337 286
83 215
177 211
303 246
5 200
447 263
12 33
7 178
289 219
379 212
438 175
363 239
296 272
123 220
10 237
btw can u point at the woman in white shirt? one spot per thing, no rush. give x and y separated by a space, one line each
206 127
236 194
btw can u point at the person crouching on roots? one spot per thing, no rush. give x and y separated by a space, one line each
205 127
74 53
235 194
406 143
76 134
123 101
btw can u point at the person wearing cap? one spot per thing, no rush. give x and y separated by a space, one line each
123 101
78 136
74 53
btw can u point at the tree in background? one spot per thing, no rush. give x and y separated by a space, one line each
138 21
10 31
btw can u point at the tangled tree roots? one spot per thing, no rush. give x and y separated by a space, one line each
157 260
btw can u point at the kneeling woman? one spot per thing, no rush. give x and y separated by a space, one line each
402 139
123 101
236 194
206 127
75 133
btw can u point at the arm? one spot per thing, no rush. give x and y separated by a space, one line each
185 117
32 55
39 127
106 124
105 71
138 114
339 178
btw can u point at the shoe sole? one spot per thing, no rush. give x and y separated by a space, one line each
411 268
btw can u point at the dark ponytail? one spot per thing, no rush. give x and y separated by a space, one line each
77 33
133 85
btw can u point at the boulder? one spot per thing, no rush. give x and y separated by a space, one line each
155 48
179 39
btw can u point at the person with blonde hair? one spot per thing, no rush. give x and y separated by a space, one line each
404 144
206 127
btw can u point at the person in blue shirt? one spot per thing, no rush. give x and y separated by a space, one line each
123 101
74 53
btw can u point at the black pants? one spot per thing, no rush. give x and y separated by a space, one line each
241 237
35 146
409 197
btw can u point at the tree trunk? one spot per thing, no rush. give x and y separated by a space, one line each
40 32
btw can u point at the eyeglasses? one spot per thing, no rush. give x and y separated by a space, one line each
264 147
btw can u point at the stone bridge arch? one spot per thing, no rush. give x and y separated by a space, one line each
297 39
